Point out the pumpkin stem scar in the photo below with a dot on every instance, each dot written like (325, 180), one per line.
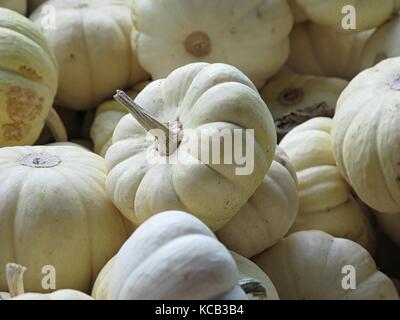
(40, 160)
(253, 287)
(56, 126)
(198, 44)
(159, 130)
(291, 96)
(15, 279)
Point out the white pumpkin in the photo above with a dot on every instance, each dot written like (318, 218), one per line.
(91, 41)
(248, 271)
(54, 211)
(286, 94)
(253, 36)
(198, 101)
(382, 44)
(15, 273)
(366, 136)
(321, 51)
(269, 213)
(368, 13)
(309, 265)
(294, 99)
(28, 82)
(107, 116)
(183, 261)
(326, 201)
(390, 224)
(17, 5)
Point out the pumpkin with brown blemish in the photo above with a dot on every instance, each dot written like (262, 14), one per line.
(251, 35)
(269, 213)
(294, 99)
(28, 82)
(310, 265)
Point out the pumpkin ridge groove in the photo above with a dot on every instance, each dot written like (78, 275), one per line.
(43, 46)
(17, 212)
(180, 198)
(83, 212)
(131, 51)
(368, 276)
(88, 58)
(381, 162)
(328, 254)
(313, 46)
(290, 269)
(23, 75)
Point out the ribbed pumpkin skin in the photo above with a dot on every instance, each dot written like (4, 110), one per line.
(269, 213)
(312, 47)
(202, 98)
(28, 80)
(56, 212)
(326, 201)
(253, 36)
(382, 44)
(91, 41)
(308, 266)
(184, 262)
(366, 136)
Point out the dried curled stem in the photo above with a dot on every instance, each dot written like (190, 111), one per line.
(292, 119)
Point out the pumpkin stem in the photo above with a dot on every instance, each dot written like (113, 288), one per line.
(56, 126)
(15, 279)
(253, 287)
(159, 130)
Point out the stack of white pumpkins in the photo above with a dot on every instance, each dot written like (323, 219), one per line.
(96, 204)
